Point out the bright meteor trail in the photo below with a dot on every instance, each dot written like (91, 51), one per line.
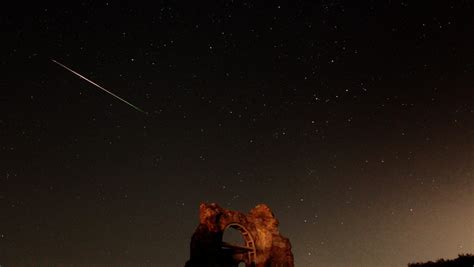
(100, 87)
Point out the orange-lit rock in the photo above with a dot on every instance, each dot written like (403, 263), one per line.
(263, 246)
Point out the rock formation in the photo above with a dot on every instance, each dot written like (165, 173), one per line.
(264, 245)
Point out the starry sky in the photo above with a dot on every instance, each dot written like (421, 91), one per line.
(352, 120)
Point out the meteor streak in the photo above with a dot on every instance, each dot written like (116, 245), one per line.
(100, 87)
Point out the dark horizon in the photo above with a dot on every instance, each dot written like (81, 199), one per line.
(352, 121)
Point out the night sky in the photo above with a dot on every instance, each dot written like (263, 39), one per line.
(352, 120)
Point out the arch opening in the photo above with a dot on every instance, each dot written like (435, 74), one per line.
(233, 236)
(238, 239)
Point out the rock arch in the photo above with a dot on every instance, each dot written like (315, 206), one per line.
(264, 245)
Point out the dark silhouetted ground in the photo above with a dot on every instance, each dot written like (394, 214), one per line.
(466, 260)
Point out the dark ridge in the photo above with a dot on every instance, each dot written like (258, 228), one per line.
(463, 260)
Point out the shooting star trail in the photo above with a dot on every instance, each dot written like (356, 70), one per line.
(102, 88)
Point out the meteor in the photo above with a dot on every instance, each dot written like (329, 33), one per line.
(100, 87)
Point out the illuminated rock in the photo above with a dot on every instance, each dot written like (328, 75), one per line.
(263, 245)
